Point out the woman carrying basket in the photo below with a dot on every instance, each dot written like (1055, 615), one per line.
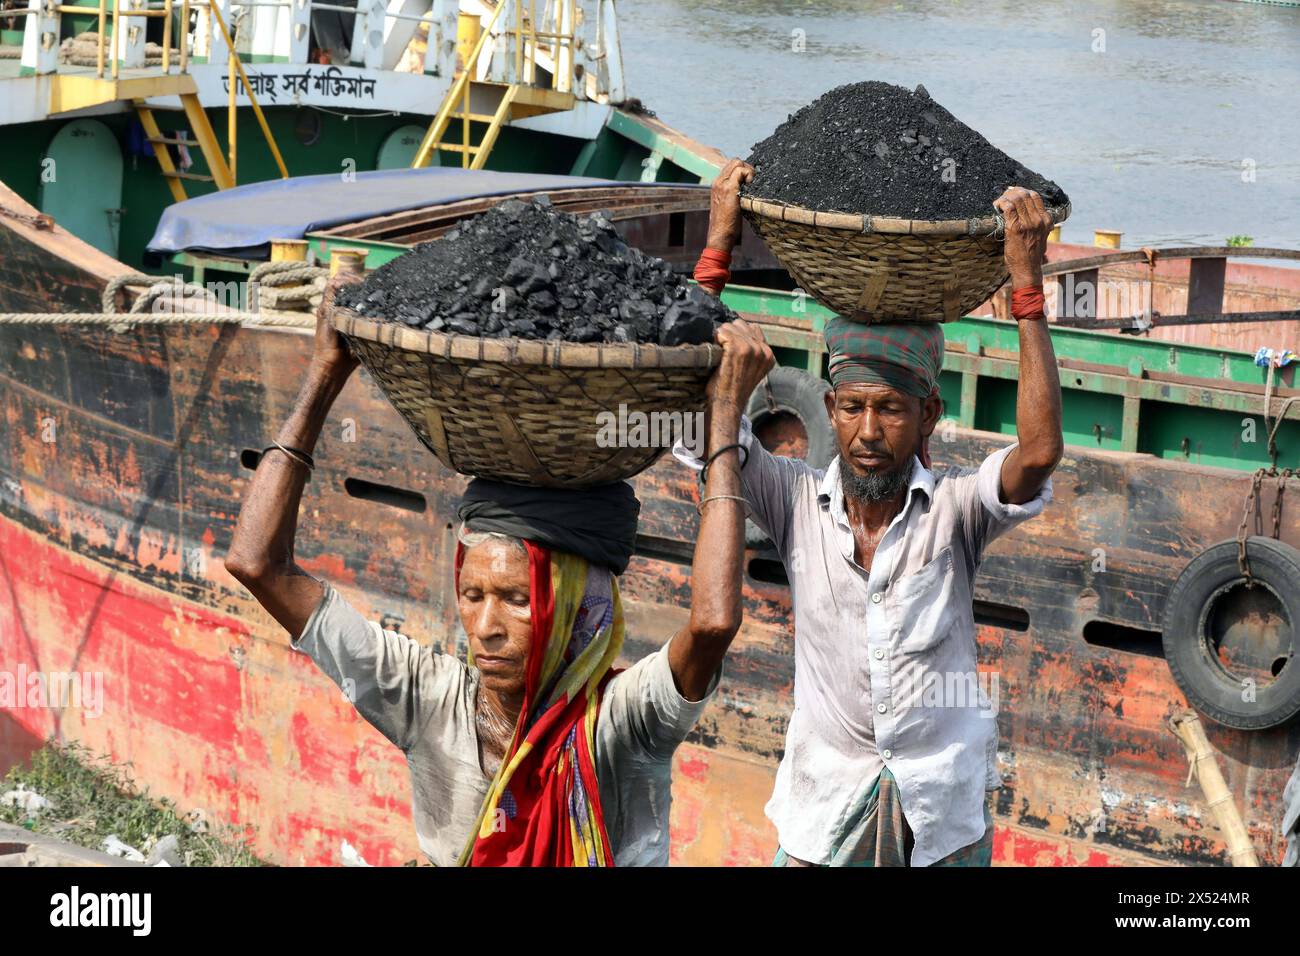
(535, 751)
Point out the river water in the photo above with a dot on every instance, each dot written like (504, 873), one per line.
(1174, 121)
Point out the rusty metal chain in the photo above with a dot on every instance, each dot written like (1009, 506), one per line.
(1282, 476)
(1243, 562)
(1253, 500)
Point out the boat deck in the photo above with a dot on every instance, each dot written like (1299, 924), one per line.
(11, 67)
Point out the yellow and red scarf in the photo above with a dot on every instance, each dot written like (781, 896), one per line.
(543, 806)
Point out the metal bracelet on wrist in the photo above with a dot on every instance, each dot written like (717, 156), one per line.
(297, 454)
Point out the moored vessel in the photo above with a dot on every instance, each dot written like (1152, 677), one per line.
(126, 448)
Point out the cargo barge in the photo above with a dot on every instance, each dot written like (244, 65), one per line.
(126, 450)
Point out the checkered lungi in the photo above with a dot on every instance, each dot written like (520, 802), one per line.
(878, 835)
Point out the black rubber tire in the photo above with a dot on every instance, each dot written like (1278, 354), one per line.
(1196, 669)
(800, 394)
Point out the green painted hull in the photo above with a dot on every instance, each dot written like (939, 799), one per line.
(340, 142)
(1177, 402)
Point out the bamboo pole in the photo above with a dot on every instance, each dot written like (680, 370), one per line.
(185, 36)
(1187, 726)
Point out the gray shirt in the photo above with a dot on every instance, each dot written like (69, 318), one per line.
(885, 671)
(423, 701)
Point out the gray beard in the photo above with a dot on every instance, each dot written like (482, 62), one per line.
(878, 486)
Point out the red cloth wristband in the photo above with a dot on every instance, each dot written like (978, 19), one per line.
(1028, 303)
(712, 271)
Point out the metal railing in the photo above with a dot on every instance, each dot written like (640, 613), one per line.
(166, 9)
(560, 48)
(524, 35)
(530, 34)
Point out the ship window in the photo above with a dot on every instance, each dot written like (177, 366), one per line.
(664, 549)
(768, 571)
(1121, 637)
(677, 229)
(386, 495)
(1007, 616)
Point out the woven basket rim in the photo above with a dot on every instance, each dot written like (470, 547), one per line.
(861, 222)
(517, 351)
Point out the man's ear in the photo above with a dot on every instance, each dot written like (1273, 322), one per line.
(931, 412)
(829, 398)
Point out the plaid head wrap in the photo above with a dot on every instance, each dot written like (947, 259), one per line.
(906, 355)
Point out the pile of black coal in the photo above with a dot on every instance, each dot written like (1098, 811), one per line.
(527, 270)
(883, 150)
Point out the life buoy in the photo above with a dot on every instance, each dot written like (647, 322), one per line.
(1231, 644)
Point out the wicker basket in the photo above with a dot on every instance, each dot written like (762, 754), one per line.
(875, 269)
(529, 412)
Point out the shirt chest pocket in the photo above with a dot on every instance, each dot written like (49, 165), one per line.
(923, 605)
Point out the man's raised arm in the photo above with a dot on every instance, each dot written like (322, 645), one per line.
(713, 271)
(1038, 396)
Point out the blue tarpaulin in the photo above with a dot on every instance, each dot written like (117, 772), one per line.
(241, 222)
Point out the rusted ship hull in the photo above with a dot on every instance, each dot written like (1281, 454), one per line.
(111, 562)
(123, 461)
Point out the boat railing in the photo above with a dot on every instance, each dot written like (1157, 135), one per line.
(500, 77)
(574, 42)
(1081, 304)
(122, 71)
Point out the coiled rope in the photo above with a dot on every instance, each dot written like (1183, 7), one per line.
(288, 285)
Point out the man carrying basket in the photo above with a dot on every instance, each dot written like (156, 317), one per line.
(884, 764)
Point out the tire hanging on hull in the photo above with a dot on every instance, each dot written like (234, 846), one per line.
(1230, 641)
(788, 412)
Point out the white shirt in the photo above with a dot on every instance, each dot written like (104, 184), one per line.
(885, 666)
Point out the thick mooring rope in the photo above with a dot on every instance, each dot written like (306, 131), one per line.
(279, 287)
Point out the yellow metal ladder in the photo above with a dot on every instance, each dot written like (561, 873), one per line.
(205, 139)
(488, 103)
(73, 91)
(494, 104)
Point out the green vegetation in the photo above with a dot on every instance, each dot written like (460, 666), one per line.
(90, 798)
(1240, 240)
